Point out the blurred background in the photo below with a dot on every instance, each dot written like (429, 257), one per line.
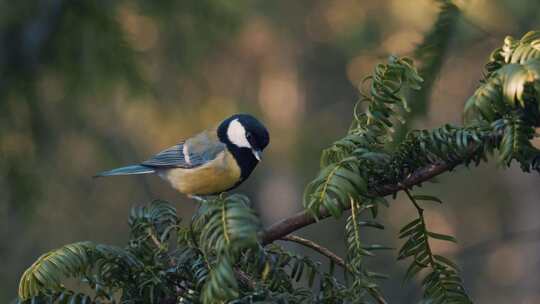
(90, 85)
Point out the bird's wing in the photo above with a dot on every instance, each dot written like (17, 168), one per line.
(191, 153)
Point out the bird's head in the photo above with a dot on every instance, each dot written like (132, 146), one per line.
(244, 132)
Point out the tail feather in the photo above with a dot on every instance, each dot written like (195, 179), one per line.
(128, 170)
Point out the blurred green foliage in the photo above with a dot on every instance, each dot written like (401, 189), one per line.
(221, 245)
(85, 85)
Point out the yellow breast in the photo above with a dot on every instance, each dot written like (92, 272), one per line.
(213, 177)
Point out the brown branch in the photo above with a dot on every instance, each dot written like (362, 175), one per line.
(320, 249)
(301, 219)
(283, 228)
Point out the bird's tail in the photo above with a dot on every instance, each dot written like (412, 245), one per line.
(128, 170)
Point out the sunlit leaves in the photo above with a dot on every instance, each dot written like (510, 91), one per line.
(50, 269)
(515, 51)
(509, 88)
(508, 100)
(515, 78)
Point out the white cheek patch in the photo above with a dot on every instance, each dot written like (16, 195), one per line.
(237, 134)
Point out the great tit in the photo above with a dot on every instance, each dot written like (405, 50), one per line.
(211, 162)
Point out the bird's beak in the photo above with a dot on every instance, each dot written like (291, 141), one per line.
(257, 154)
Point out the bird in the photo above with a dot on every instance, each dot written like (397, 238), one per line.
(209, 163)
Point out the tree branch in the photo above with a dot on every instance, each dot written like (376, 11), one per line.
(301, 219)
(320, 249)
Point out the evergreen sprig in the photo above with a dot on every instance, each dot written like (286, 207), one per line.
(363, 281)
(48, 270)
(346, 164)
(224, 256)
(442, 284)
(225, 226)
(508, 99)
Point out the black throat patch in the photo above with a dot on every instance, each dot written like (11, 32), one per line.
(244, 156)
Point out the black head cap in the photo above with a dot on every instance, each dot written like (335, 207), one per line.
(254, 131)
(245, 137)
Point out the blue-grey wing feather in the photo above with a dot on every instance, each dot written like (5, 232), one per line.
(172, 157)
(200, 149)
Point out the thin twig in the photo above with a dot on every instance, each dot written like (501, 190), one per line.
(320, 249)
(420, 211)
(332, 256)
(413, 200)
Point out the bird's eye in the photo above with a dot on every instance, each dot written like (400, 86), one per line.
(249, 136)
